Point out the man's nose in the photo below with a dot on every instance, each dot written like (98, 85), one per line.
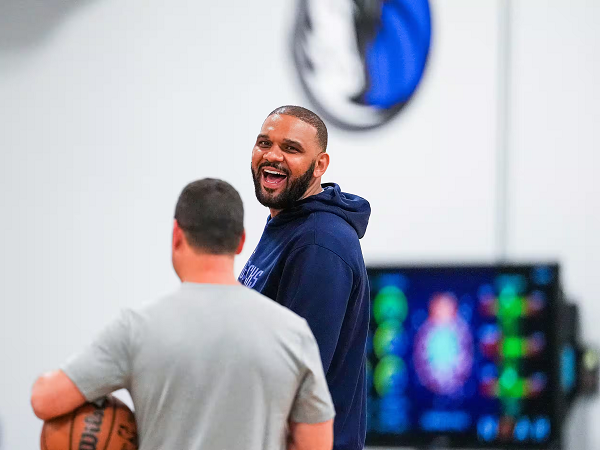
(274, 154)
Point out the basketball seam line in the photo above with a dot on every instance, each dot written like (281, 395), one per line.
(112, 424)
(71, 432)
(44, 439)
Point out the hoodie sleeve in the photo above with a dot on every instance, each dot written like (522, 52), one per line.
(316, 284)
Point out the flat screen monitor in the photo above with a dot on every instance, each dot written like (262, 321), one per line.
(465, 355)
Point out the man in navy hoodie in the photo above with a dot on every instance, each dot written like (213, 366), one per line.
(309, 257)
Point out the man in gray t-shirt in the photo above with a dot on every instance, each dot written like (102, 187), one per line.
(212, 366)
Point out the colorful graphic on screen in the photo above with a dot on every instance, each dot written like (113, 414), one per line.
(462, 353)
(443, 349)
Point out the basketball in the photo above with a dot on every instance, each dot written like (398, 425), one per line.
(107, 424)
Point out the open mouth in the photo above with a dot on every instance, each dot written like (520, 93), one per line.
(273, 179)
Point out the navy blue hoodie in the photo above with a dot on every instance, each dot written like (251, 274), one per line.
(309, 259)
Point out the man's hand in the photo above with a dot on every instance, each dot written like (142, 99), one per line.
(54, 394)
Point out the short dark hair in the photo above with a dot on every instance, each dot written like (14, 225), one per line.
(305, 115)
(211, 214)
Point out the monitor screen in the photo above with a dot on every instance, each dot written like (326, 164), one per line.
(465, 354)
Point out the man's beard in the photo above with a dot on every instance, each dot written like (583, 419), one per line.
(293, 192)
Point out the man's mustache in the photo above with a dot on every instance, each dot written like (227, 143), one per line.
(274, 166)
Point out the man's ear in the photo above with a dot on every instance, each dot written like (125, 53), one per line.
(241, 244)
(321, 165)
(178, 237)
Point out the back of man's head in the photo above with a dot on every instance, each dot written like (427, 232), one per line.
(211, 214)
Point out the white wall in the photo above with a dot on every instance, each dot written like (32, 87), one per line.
(109, 108)
(430, 173)
(554, 210)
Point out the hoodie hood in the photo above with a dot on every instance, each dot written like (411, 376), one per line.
(353, 209)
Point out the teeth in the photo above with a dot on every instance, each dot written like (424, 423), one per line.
(274, 173)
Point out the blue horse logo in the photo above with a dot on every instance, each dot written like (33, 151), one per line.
(360, 61)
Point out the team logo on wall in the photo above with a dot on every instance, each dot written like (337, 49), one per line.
(360, 61)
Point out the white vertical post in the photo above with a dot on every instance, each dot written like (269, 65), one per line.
(503, 129)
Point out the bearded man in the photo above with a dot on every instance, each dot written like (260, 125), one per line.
(309, 257)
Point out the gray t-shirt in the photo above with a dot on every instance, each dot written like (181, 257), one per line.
(209, 367)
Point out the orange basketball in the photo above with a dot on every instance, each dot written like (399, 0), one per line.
(104, 425)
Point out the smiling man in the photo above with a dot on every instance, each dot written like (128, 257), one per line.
(309, 257)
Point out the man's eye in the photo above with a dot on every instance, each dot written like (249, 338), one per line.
(264, 143)
(289, 148)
